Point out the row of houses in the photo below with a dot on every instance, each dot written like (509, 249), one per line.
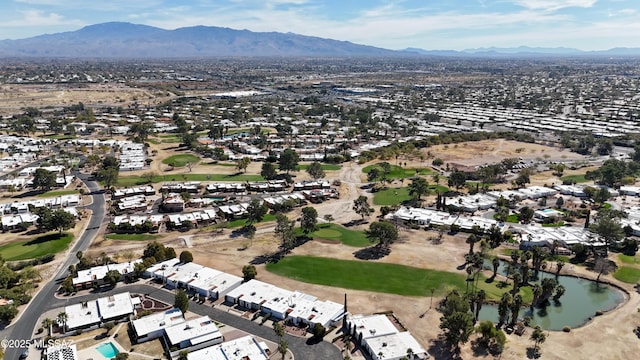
(16, 221)
(293, 306)
(20, 207)
(94, 276)
(480, 201)
(530, 235)
(91, 313)
(132, 156)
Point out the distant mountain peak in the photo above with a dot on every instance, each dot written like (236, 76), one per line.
(127, 40)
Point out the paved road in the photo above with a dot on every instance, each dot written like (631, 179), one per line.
(23, 327)
(298, 346)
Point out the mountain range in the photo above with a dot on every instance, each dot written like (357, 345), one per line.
(125, 40)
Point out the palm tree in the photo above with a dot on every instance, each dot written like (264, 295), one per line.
(537, 291)
(503, 308)
(283, 346)
(472, 240)
(515, 308)
(538, 337)
(495, 262)
(480, 297)
(62, 320)
(46, 323)
(560, 290)
(418, 187)
(559, 266)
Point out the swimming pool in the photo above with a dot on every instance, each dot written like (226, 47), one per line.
(108, 350)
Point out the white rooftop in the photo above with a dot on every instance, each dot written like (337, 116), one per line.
(242, 348)
(115, 305)
(196, 331)
(82, 314)
(161, 320)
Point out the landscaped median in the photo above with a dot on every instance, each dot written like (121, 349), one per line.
(31, 249)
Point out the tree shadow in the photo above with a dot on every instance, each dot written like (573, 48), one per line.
(439, 350)
(45, 238)
(479, 349)
(372, 253)
(533, 353)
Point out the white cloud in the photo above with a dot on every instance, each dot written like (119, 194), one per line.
(40, 18)
(554, 5)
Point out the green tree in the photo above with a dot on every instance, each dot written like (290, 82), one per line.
(278, 329)
(47, 323)
(112, 277)
(249, 272)
(108, 176)
(472, 240)
(373, 174)
(122, 356)
(288, 160)
(44, 179)
(268, 171)
(183, 355)
(181, 301)
(61, 220)
(457, 327)
(503, 308)
(242, 164)
(285, 231)
(318, 331)
(382, 233)
(361, 206)
(315, 170)
(418, 187)
(526, 214)
(256, 211)
(186, 257)
(457, 179)
(283, 346)
(309, 220)
(538, 337)
(608, 228)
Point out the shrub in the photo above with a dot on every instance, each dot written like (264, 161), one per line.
(566, 329)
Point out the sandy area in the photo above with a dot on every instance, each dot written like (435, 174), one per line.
(474, 153)
(15, 97)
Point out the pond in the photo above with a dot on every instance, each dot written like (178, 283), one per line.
(581, 300)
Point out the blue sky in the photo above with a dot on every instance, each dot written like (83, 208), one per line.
(392, 24)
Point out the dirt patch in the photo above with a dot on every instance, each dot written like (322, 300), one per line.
(474, 153)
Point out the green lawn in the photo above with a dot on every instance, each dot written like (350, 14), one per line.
(629, 259)
(398, 172)
(494, 293)
(125, 181)
(574, 178)
(339, 233)
(134, 237)
(58, 193)
(180, 160)
(242, 222)
(31, 249)
(627, 274)
(325, 167)
(368, 276)
(395, 196)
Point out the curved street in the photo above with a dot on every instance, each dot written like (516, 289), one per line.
(22, 328)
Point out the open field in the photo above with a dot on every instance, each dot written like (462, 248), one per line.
(15, 96)
(336, 232)
(475, 153)
(627, 274)
(30, 249)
